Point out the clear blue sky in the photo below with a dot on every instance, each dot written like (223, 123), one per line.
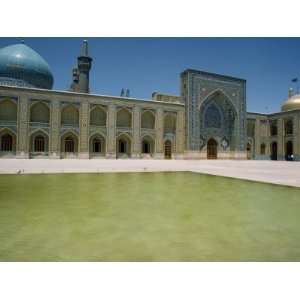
(145, 65)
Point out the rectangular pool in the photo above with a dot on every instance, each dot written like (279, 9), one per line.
(178, 216)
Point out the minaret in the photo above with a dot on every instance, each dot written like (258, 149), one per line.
(84, 66)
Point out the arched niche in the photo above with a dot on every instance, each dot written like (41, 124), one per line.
(39, 142)
(97, 145)
(123, 145)
(170, 123)
(98, 116)
(124, 118)
(39, 113)
(148, 120)
(69, 144)
(7, 141)
(147, 145)
(8, 110)
(70, 116)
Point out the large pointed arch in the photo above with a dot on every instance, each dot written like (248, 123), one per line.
(214, 93)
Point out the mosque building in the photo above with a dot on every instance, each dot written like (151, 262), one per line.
(207, 121)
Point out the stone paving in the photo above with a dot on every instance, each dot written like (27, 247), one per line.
(277, 172)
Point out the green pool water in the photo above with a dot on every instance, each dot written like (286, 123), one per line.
(146, 217)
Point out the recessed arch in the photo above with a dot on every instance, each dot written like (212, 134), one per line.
(124, 118)
(69, 144)
(170, 123)
(148, 120)
(7, 141)
(40, 112)
(274, 151)
(98, 116)
(124, 144)
(97, 145)
(289, 151)
(215, 93)
(147, 145)
(39, 142)
(70, 116)
(8, 110)
(212, 149)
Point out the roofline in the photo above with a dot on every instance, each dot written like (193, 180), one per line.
(87, 95)
(213, 74)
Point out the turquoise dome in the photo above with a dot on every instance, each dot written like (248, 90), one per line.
(22, 66)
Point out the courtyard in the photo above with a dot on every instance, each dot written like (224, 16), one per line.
(276, 172)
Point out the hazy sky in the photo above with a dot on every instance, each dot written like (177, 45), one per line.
(145, 65)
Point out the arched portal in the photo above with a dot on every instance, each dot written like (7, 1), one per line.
(168, 149)
(69, 145)
(249, 151)
(123, 146)
(97, 145)
(274, 151)
(39, 142)
(7, 141)
(212, 149)
(289, 155)
(147, 145)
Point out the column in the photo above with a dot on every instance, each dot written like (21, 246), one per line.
(280, 139)
(268, 139)
(159, 131)
(23, 131)
(111, 132)
(256, 146)
(54, 142)
(84, 130)
(136, 149)
(180, 134)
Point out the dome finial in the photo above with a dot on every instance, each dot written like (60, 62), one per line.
(291, 92)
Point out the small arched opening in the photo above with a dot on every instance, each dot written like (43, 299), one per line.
(289, 155)
(123, 146)
(274, 151)
(212, 149)
(147, 146)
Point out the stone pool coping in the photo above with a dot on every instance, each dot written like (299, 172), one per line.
(276, 172)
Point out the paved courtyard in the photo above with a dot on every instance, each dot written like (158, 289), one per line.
(277, 172)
